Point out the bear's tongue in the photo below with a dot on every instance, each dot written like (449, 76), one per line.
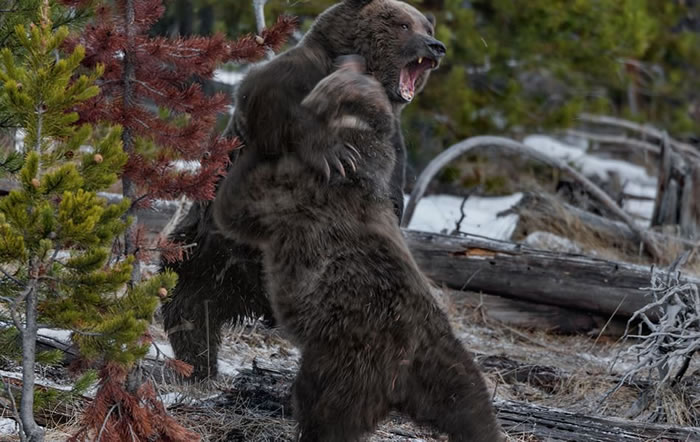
(408, 76)
(407, 82)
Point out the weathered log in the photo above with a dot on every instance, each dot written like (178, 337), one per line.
(553, 424)
(501, 268)
(645, 130)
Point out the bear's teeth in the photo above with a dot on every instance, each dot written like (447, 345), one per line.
(420, 60)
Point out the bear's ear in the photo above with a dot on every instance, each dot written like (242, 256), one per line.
(358, 3)
(431, 18)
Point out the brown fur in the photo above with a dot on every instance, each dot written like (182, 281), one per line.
(341, 279)
(221, 280)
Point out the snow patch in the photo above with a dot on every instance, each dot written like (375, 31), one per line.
(231, 367)
(440, 213)
(57, 334)
(165, 349)
(186, 166)
(588, 164)
(549, 241)
(8, 426)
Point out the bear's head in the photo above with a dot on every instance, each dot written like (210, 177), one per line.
(396, 40)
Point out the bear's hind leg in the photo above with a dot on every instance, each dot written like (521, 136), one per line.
(338, 396)
(219, 282)
(446, 390)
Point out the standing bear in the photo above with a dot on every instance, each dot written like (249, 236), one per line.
(315, 195)
(221, 279)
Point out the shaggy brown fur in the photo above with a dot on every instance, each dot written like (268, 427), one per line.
(221, 279)
(340, 276)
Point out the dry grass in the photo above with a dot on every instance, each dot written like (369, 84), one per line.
(562, 223)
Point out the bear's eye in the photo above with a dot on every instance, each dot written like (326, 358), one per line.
(404, 26)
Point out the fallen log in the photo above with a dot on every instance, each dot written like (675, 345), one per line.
(553, 424)
(510, 270)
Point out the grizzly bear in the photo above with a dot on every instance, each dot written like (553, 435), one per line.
(221, 279)
(314, 195)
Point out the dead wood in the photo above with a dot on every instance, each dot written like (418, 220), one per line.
(510, 270)
(504, 143)
(539, 209)
(621, 140)
(553, 424)
(645, 130)
(677, 200)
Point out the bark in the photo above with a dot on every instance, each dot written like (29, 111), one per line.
(553, 424)
(510, 270)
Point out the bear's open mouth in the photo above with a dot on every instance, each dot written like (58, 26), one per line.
(410, 73)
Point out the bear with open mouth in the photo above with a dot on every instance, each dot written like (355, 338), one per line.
(315, 194)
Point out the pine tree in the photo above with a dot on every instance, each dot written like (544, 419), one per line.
(56, 237)
(152, 88)
(71, 13)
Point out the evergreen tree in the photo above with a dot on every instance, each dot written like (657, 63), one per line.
(70, 13)
(56, 239)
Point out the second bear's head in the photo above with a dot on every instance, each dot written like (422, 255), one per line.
(396, 40)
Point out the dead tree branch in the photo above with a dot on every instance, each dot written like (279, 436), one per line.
(620, 140)
(259, 9)
(504, 143)
(674, 333)
(644, 129)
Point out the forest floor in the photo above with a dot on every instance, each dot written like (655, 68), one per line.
(573, 373)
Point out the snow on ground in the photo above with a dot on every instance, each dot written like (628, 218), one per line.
(56, 334)
(8, 426)
(40, 380)
(160, 349)
(440, 213)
